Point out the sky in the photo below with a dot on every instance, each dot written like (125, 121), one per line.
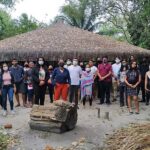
(42, 10)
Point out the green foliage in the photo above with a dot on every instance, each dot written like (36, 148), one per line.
(8, 3)
(111, 30)
(9, 27)
(139, 24)
(5, 24)
(81, 13)
(4, 141)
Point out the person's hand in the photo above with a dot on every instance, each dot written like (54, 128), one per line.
(134, 86)
(130, 85)
(68, 85)
(102, 78)
(42, 83)
(49, 81)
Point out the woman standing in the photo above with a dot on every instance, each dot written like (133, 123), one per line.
(132, 80)
(61, 81)
(147, 86)
(40, 77)
(87, 81)
(7, 88)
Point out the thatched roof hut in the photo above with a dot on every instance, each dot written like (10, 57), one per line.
(64, 41)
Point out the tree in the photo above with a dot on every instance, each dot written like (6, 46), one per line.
(25, 24)
(5, 24)
(83, 14)
(8, 3)
(139, 24)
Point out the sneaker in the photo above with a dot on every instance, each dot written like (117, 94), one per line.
(4, 113)
(12, 112)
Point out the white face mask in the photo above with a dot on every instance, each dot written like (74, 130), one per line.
(5, 68)
(117, 61)
(68, 62)
(75, 63)
(41, 62)
(88, 69)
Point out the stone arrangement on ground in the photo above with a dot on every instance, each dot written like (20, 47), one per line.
(58, 117)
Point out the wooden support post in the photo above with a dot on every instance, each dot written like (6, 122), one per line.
(106, 115)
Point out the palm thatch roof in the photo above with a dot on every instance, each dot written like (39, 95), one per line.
(63, 41)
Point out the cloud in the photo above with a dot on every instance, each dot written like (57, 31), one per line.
(42, 10)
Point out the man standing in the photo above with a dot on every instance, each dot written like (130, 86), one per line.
(104, 73)
(18, 74)
(143, 67)
(115, 72)
(75, 74)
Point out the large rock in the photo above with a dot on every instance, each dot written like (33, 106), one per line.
(57, 117)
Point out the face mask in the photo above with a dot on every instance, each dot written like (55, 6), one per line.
(117, 61)
(75, 63)
(5, 68)
(41, 62)
(88, 69)
(104, 61)
(149, 67)
(61, 64)
(68, 62)
(26, 66)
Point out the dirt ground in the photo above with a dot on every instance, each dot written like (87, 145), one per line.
(89, 126)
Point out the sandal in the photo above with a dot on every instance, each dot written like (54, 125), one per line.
(137, 113)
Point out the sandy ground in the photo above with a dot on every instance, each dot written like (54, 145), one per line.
(89, 126)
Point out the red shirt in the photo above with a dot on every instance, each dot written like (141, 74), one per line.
(104, 69)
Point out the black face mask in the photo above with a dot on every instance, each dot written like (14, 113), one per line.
(26, 65)
(61, 64)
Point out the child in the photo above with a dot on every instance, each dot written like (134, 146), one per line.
(86, 85)
(122, 85)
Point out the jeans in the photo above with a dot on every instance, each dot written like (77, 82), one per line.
(73, 95)
(105, 91)
(39, 92)
(123, 95)
(51, 92)
(7, 90)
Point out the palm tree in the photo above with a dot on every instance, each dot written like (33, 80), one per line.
(81, 13)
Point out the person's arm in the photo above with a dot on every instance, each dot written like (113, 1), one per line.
(69, 79)
(146, 82)
(138, 82)
(109, 74)
(127, 83)
(96, 74)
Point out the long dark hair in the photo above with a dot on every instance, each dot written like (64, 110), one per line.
(131, 65)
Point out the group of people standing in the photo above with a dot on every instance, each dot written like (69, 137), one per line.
(75, 81)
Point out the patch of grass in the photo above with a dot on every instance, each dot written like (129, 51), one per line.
(4, 141)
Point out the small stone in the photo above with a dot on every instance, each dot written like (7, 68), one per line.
(74, 143)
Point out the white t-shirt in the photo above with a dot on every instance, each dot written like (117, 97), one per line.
(93, 70)
(75, 72)
(116, 69)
